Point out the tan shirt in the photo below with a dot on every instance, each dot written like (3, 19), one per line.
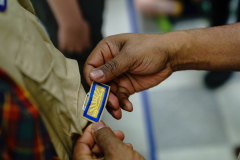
(28, 55)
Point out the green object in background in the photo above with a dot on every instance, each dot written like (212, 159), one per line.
(164, 25)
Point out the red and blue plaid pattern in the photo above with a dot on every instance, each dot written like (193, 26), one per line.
(23, 135)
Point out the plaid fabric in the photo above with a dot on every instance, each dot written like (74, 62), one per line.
(23, 135)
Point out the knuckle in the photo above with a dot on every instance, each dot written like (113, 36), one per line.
(111, 66)
(105, 40)
(106, 139)
(102, 135)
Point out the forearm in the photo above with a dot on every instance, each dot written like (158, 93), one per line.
(216, 48)
(66, 12)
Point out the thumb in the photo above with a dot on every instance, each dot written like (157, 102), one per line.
(105, 139)
(113, 68)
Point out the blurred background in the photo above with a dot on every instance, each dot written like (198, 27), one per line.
(193, 114)
(190, 117)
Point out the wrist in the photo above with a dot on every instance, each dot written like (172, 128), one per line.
(176, 45)
(69, 24)
(185, 53)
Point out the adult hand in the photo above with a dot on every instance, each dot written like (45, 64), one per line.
(74, 38)
(130, 63)
(98, 140)
(135, 62)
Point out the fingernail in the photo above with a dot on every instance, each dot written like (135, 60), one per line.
(130, 108)
(97, 74)
(98, 126)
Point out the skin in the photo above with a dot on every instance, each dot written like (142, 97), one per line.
(154, 8)
(98, 140)
(74, 31)
(132, 63)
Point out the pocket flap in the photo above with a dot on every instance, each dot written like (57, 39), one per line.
(34, 58)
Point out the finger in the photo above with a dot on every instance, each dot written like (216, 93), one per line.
(96, 150)
(113, 101)
(113, 106)
(129, 145)
(119, 134)
(86, 70)
(86, 137)
(105, 138)
(126, 104)
(113, 86)
(124, 89)
(110, 59)
(115, 113)
(104, 56)
(112, 69)
(84, 144)
(97, 58)
(123, 95)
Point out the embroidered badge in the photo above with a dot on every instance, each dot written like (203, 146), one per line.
(95, 102)
(3, 5)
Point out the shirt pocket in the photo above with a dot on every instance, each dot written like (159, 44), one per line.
(35, 61)
(33, 57)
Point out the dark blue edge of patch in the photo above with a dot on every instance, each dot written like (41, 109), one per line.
(4, 7)
(90, 100)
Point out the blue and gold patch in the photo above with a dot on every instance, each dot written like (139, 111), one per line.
(96, 101)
